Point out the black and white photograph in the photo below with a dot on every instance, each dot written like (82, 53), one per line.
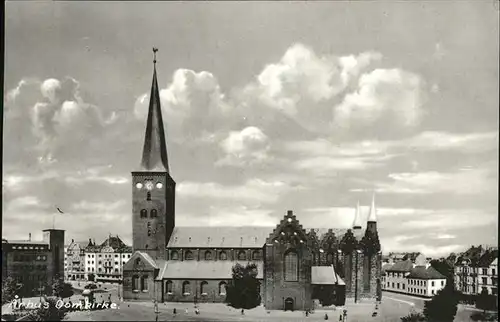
(250, 160)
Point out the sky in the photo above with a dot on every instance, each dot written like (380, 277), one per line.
(268, 106)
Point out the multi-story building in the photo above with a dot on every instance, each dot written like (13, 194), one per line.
(468, 267)
(407, 277)
(487, 269)
(74, 261)
(34, 264)
(175, 263)
(110, 258)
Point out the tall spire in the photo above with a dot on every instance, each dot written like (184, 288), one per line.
(154, 154)
(357, 222)
(372, 217)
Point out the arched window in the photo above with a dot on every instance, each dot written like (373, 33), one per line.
(329, 258)
(144, 213)
(208, 255)
(169, 287)
(203, 288)
(144, 283)
(291, 266)
(154, 213)
(256, 255)
(174, 255)
(186, 288)
(188, 255)
(242, 256)
(137, 261)
(222, 255)
(222, 288)
(135, 283)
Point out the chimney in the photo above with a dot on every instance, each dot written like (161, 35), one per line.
(289, 212)
(72, 240)
(29, 238)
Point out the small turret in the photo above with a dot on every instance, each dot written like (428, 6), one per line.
(372, 217)
(357, 218)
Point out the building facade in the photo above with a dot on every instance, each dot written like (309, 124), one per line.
(472, 270)
(34, 264)
(294, 264)
(409, 278)
(74, 261)
(87, 261)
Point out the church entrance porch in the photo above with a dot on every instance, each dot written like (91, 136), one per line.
(289, 304)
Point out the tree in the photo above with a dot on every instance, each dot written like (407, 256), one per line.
(9, 289)
(243, 291)
(48, 311)
(413, 317)
(485, 301)
(62, 289)
(443, 307)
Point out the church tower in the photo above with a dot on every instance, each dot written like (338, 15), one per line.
(153, 189)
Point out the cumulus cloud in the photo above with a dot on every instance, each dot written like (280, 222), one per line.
(302, 83)
(192, 103)
(391, 96)
(55, 115)
(245, 147)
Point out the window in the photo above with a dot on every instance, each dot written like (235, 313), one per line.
(174, 255)
(256, 255)
(208, 256)
(493, 272)
(144, 214)
(135, 282)
(149, 229)
(222, 288)
(432, 292)
(291, 266)
(494, 291)
(169, 287)
(329, 258)
(484, 280)
(188, 255)
(154, 213)
(397, 286)
(485, 271)
(203, 288)
(242, 255)
(148, 196)
(186, 288)
(144, 283)
(392, 284)
(403, 286)
(222, 255)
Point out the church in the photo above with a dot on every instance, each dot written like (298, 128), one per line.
(297, 267)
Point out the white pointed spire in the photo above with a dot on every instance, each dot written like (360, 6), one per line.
(357, 216)
(372, 217)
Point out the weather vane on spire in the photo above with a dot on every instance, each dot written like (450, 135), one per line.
(154, 53)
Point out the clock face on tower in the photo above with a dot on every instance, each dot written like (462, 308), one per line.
(149, 185)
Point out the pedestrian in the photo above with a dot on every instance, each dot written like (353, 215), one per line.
(242, 312)
(307, 313)
(340, 317)
(175, 311)
(326, 316)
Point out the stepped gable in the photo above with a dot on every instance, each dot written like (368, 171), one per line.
(289, 220)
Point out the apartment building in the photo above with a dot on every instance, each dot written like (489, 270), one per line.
(473, 272)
